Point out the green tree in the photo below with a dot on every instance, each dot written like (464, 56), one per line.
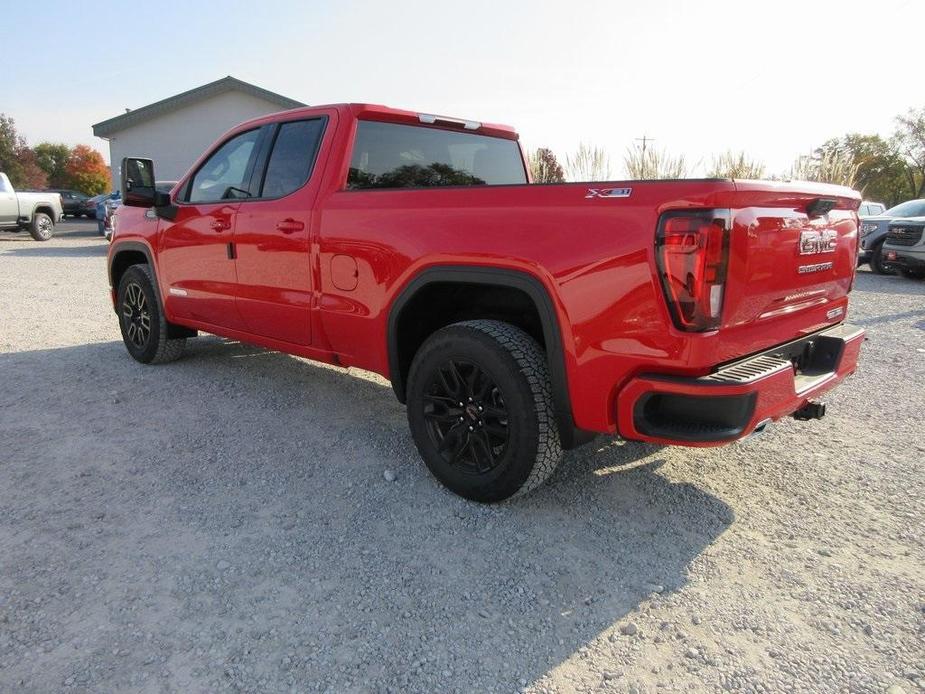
(910, 140)
(11, 146)
(878, 166)
(827, 165)
(53, 157)
(544, 167)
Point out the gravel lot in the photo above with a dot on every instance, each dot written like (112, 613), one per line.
(226, 523)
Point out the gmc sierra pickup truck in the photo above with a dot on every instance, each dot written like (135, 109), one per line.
(513, 320)
(37, 212)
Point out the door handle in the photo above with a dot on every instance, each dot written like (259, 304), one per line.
(220, 224)
(288, 226)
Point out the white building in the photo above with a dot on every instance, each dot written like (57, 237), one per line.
(175, 131)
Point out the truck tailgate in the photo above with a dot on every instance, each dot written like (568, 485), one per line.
(792, 247)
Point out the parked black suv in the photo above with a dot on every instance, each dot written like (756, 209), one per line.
(72, 201)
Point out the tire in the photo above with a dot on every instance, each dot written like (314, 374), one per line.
(913, 274)
(144, 329)
(42, 227)
(877, 262)
(504, 440)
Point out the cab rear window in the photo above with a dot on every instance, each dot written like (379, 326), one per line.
(391, 155)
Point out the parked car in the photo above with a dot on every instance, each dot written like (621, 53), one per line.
(102, 212)
(904, 248)
(874, 231)
(89, 205)
(112, 208)
(37, 212)
(514, 320)
(72, 201)
(871, 209)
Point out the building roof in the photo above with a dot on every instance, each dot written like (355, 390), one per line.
(111, 126)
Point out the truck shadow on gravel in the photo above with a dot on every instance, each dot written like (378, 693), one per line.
(224, 521)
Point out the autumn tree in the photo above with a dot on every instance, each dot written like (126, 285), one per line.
(544, 167)
(33, 177)
(87, 172)
(53, 158)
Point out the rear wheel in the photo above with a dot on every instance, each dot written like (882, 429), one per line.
(145, 331)
(42, 227)
(480, 410)
(878, 262)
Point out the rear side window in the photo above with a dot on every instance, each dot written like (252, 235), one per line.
(293, 154)
(391, 155)
(226, 174)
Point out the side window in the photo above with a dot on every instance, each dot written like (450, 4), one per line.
(864, 211)
(392, 155)
(293, 154)
(3, 188)
(225, 174)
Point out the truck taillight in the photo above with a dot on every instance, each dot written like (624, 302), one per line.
(692, 251)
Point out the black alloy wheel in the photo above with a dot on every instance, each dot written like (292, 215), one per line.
(481, 412)
(147, 335)
(466, 417)
(136, 318)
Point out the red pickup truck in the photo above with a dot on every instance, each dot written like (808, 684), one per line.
(513, 319)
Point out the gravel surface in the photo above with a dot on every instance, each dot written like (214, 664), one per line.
(248, 521)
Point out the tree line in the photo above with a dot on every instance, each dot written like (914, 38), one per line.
(51, 164)
(886, 169)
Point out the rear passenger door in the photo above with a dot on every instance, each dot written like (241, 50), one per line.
(272, 235)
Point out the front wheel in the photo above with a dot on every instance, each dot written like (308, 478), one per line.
(481, 411)
(913, 274)
(145, 331)
(42, 227)
(878, 262)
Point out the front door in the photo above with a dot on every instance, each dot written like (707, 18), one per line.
(196, 248)
(197, 267)
(272, 238)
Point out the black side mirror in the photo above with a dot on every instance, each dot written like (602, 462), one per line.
(138, 183)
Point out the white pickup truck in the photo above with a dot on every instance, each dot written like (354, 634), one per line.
(37, 212)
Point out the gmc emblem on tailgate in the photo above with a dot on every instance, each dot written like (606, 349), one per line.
(812, 242)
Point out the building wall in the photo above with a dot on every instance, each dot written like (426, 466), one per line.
(176, 139)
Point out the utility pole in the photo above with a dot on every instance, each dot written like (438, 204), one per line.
(644, 140)
(644, 163)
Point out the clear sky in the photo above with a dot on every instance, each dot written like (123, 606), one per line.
(773, 78)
